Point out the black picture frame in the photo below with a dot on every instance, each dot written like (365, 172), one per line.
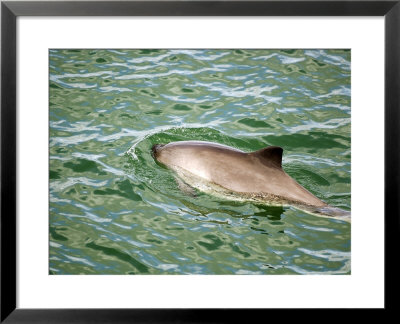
(10, 10)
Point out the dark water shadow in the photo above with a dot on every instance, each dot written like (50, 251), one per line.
(273, 213)
(122, 256)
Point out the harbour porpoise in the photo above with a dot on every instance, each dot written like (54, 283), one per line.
(256, 176)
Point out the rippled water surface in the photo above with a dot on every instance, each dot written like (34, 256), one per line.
(113, 210)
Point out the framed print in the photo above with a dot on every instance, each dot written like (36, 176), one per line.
(178, 154)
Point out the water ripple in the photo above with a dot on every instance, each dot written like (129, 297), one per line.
(114, 210)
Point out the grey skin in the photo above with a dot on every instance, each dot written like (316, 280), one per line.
(257, 175)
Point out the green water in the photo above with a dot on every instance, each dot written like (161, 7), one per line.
(113, 210)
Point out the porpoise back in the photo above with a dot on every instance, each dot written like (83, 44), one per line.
(254, 174)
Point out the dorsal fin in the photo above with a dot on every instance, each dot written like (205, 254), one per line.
(270, 155)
